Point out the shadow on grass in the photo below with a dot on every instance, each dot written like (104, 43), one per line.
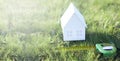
(94, 37)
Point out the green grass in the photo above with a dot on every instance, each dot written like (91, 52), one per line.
(30, 29)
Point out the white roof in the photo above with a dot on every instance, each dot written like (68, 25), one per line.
(71, 10)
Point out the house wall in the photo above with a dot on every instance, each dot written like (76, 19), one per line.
(74, 29)
(74, 34)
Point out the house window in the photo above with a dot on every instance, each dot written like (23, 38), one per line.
(69, 33)
(78, 33)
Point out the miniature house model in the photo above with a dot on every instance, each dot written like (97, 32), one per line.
(73, 24)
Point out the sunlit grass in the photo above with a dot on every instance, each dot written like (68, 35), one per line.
(30, 30)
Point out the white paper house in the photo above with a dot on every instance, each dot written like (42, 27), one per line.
(73, 24)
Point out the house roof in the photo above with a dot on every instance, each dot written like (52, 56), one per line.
(71, 10)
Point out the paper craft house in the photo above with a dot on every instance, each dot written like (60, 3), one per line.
(73, 24)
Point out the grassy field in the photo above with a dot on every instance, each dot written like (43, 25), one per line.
(30, 29)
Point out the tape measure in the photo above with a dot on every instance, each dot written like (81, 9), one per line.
(75, 48)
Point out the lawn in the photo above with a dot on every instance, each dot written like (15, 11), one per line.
(30, 29)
